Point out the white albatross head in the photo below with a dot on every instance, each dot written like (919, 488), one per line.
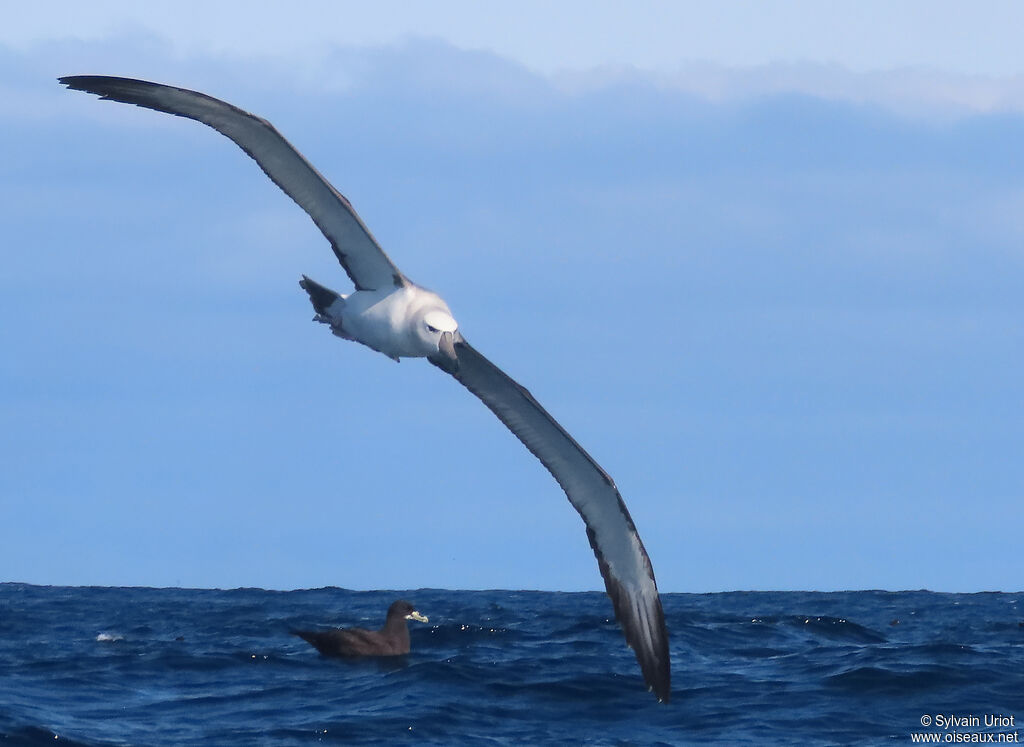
(439, 331)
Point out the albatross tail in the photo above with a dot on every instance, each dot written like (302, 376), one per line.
(327, 304)
(322, 298)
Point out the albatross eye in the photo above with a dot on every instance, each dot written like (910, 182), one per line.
(432, 329)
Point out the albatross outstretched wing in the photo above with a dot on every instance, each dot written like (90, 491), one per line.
(353, 244)
(623, 561)
(624, 564)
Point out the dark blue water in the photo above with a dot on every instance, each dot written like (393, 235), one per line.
(106, 666)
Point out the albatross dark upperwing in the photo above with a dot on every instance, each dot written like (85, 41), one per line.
(353, 244)
(624, 564)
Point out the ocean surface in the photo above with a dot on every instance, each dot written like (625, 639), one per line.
(138, 666)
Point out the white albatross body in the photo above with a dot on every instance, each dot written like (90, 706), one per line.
(393, 315)
(392, 321)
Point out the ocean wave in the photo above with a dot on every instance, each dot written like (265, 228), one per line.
(210, 667)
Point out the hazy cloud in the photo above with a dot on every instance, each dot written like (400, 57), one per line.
(435, 67)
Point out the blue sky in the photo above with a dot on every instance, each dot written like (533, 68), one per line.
(771, 283)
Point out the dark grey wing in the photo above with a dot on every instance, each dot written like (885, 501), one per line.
(625, 566)
(356, 249)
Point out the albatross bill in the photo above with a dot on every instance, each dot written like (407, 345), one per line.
(389, 313)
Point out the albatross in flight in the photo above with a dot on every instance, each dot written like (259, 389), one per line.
(394, 316)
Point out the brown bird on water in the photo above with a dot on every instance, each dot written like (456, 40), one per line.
(391, 640)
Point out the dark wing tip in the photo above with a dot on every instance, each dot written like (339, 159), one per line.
(76, 81)
(156, 96)
(654, 664)
(643, 626)
(102, 85)
(642, 619)
(142, 93)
